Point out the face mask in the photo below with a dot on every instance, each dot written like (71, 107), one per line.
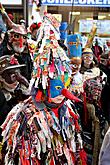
(10, 75)
(18, 42)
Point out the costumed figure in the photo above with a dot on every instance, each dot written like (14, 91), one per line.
(95, 127)
(44, 128)
(12, 84)
(93, 81)
(88, 60)
(17, 44)
(74, 53)
(89, 67)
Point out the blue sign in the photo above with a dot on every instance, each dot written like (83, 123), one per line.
(88, 3)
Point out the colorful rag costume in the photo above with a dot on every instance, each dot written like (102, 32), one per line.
(44, 128)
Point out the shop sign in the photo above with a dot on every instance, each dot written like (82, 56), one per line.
(11, 2)
(103, 26)
(94, 3)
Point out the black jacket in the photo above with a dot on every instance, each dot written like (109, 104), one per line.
(4, 108)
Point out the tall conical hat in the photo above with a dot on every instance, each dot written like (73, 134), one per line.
(74, 46)
(50, 60)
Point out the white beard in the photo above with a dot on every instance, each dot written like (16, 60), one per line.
(17, 49)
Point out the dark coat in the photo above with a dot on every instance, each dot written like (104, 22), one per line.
(4, 108)
(105, 95)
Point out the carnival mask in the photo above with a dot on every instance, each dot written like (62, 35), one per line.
(57, 92)
(93, 90)
(10, 72)
(18, 42)
(10, 75)
(75, 65)
(11, 78)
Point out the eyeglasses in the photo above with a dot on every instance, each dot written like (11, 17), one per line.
(88, 57)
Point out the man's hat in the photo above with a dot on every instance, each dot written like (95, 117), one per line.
(87, 51)
(7, 62)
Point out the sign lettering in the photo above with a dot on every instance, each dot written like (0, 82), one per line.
(94, 3)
